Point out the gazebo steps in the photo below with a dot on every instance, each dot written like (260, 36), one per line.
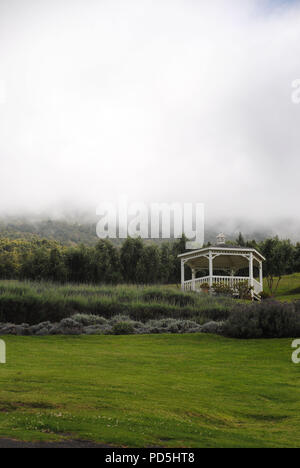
(256, 297)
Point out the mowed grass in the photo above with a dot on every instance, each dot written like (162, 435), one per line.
(159, 390)
(289, 288)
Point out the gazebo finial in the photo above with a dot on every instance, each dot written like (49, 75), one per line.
(221, 240)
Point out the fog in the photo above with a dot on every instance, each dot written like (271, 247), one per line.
(163, 101)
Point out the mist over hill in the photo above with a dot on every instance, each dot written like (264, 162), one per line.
(74, 229)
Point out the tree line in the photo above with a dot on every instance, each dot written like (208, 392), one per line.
(135, 261)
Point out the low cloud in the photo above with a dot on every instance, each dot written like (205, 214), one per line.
(163, 101)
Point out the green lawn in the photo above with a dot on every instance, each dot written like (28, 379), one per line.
(159, 390)
(289, 288)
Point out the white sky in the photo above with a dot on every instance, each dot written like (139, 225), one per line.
(162, 100)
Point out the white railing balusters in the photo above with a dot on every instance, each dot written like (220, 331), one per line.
(231, 281)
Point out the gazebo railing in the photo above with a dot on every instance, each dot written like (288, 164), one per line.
(257, 287)
(231, 281)
(188, 285)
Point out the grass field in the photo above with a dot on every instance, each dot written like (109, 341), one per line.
(162, 390)
(154, 390)
(289, 288)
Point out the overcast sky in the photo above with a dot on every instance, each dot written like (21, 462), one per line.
(162, 100)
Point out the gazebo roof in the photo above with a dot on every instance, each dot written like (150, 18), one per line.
(231, 246)
(224, 257)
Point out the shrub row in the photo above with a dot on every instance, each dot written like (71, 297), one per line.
(268, 319)
(80, 324)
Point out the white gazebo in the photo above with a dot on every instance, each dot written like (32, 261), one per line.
(227, 259)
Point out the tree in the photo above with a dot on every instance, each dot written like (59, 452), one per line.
(78, 264)
(178, 248)
(253, 244)
(296, 265)
(279, 259)
(131, 253)
(57, 267)
(36, 266)
(105, 263)
(148, 266)
(167, 262)
(240, 240)
(9, 265)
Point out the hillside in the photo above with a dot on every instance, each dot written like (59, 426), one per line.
(81, 229)
(62, 231)
(289, 288)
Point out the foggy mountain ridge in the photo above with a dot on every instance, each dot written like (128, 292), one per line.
(76, 229)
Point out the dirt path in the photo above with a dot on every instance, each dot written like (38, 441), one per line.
(10, 443)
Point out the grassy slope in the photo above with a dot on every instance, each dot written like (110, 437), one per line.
(187, 390)
(289, 288)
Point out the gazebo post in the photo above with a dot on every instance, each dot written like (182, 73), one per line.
(193, 279)
(182, 275)
(211, 269)
(261, 278)
(232, 273)
(251, 274)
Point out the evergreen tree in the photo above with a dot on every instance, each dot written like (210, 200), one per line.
(105, 263)
(148, 266)
(240, 240)
(131, 253)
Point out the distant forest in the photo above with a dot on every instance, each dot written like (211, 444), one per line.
(134, 261)
(81, 231)
(65, 232)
